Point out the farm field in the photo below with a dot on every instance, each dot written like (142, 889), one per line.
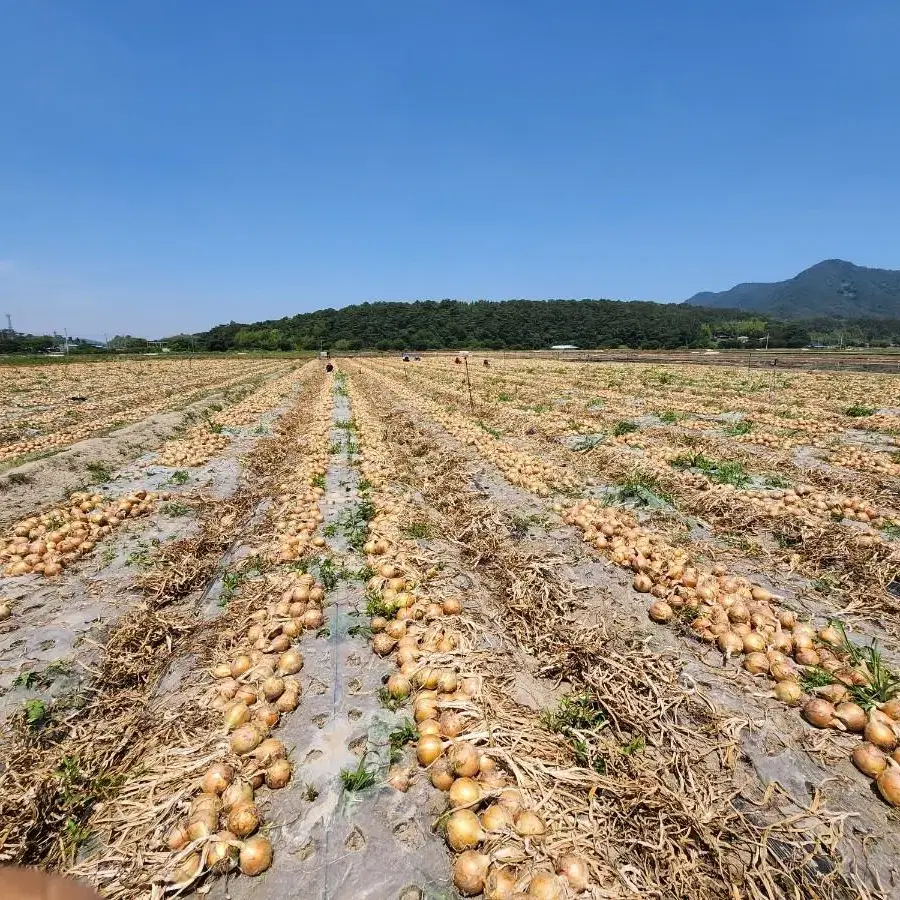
(411, 629)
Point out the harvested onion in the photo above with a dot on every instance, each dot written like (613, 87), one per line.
(869, 759)
(574, 870)
(469, 872)
(463, 830)
(465, 792)
(255, 856)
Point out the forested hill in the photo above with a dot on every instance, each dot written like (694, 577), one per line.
(527, 324)
(833, 287)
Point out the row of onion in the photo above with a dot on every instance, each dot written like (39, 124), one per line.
(47, 543)
(489, 827)
(745, 621)
(255, 685)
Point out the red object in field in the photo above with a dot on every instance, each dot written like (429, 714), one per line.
(458, 361)
(329, 368)
(31, 884)
(486, 363)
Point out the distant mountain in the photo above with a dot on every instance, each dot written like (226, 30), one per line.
(829, 288)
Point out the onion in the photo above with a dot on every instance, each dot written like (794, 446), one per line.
(246, 695)
(545, 885)
(463, 830)
(464, 759)
(730, 643)
(451, 606)
(754, 643)
(831, 635)
(273, 688)
(222, 670)
(398, 686)
(256, 856)
(243, 820)
(496, 818)
(891, 708)
(236, 793)
(424, 708)
(268, 751)
(783, 672)
(819, 713)
(429, 748)
(222, 854)
(187, 871)
(642, 583)
(290, 662)
(788, 691)
(499, 883)
(236, 714)
(529, 824)
(278, 774)
(833, 693)
(202, 824)
(511, 798)
(880, 734)
(288, 701)
(465, 792)
(245, 739)
(441, 776)
(266, 714)
(428, 726)
(852, 715)
(383, 644)
(756, 663)
(451, 723)
(659, 610)
(241, 665)
(574, 870)
(178, 837)
(218, 776)
(888, 783)
(279, 644)
(469, 872)
(869, 759)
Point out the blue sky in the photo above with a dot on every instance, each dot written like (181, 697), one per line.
(168, 165)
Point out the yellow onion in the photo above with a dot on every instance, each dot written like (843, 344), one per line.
(236, 714)
(880, 733)
(178, 837)
(464, 759)
(243, 820)
(278, 774)
(852, 715)
(451, 723)
(891, 708)
(730, 643)
(255, 856)
(202, 824)
(440, 774)
(500, 883)
(496, 818)
(869, 759)
(245, 695)
(788, 691)
(428, 726)
(287, 702)
(833, 693)
(819, 713)
(756, 663)
(463, 830)
(273, 688)
(217, 777)
(290, 661)
(266, 714)
(888, 783)
(428, 749)
(465, 792)
(398, 686)
(222, 670)
(469, 872)
(451, 606)
(511, 799)
(529, 824)
(659, 610)
(245, 739)
(268, 751)
(383, 644)
(222, 854)
(187, 870)
(241, 665)
(544, 885)
(574, 870)
(238, 792)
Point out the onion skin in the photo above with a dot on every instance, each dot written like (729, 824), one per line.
(496, 818)
(529, 824)
(789, 692)
(888, 784)
(869, 759)
(463, 830)
(268, 751)
(880, 734)
(278, 774)
(819, 714)
(441, 776)
(545, 885)
(243, 820)
(469, 872)
(245, 739)
(238, 792)
(178, 837)
(500, 883)
(223, 852)
(465, 792)
(255, 856)
(574, 870)
(464, 759)
(852, 715)
(429, 749)
(218, 776)
(187, 871)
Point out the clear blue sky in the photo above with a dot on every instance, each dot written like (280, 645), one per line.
(167, 165)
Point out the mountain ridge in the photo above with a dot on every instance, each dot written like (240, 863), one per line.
(832, 287)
